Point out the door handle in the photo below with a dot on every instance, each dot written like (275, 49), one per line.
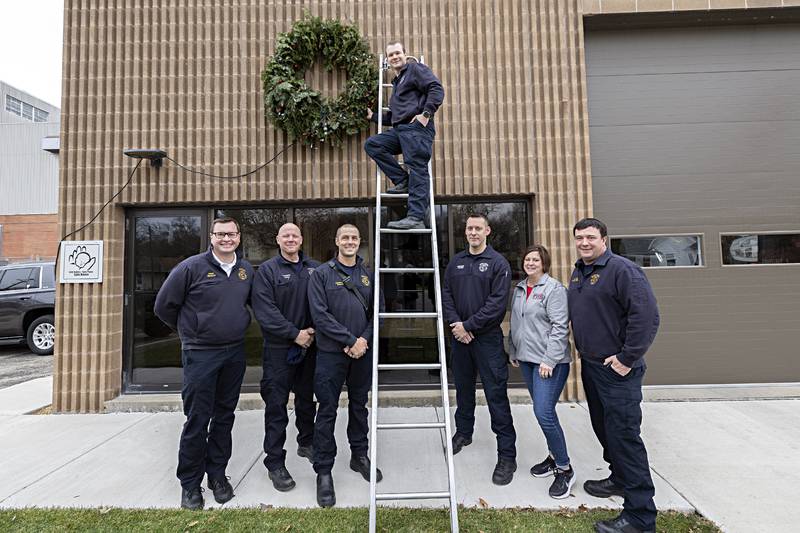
(24, 297)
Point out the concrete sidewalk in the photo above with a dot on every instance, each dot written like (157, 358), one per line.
(735, 462)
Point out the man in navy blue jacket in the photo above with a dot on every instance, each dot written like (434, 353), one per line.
(280, 304)
(416, 95)
(205, 299)
(340, 294)
(614, 321)
(475, 294)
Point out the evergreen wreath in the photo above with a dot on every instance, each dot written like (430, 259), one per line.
(291, 105)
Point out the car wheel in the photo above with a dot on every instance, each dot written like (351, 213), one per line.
(42, 335)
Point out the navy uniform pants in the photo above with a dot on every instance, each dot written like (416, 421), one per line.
(615, 410)
(415, 142)
(484, 356)
(212, 379)
(277, 380)
(335, 369)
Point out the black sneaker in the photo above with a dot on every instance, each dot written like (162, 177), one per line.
(545, 468)
(307, 452)
(602, 488)
(361, 465)
(619, 525)
(504, 471)
(192, 499)
(562, 484)
(459, 441)
(223, 492)
(281, 479)
(406, 223)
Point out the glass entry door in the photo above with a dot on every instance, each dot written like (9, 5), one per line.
(156, 242)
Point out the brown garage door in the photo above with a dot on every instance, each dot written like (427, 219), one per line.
(697, 131)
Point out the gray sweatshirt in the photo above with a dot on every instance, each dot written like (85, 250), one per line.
(539, 324)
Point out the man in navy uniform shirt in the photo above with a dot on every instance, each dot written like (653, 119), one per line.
(280, 304)
(416, 95)
(205, 299)
(340, 294)
(614, 321)
(475, 294)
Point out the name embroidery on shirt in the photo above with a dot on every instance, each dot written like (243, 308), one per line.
(460, 267)
(211, 275)
(286, 276)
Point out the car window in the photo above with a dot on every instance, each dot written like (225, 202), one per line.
(48, 277)
(17, 278)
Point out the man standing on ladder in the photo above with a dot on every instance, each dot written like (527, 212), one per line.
(474, 297)
(416, 95)
(280, 304)
(341, 299)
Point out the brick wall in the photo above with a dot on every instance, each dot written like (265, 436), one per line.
(26, 237)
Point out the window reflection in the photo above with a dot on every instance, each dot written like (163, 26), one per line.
(760, 249)
(319, 225)
(660, 251)
(259, 229)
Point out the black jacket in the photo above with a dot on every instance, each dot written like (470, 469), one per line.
(203, 304)
(476, 289)
(339, 318)
(280, 298)
(415, 89)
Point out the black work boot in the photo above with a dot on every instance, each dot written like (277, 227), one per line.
(281, 479)
(459, 441)
(504, 471)
(326, 496)
(307, 452)
(400, 188)
(223, 492)
(361, 465)
(192, 499)
(602, 488)
(618, 525)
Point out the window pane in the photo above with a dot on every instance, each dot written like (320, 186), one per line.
(16, 279)
(664, 251)
(259, 228)
(13, 105)
(319, 225)
(48, 276)
(27, 111)
(764, 249)
(40, 115)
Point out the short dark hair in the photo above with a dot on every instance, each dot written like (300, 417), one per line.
(392, 43)
(225, 220)
(591, 223)
(543, 253)
(475, 214)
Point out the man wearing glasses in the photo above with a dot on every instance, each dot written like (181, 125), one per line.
(205, 299)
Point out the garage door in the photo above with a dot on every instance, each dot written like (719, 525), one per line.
(695, 151)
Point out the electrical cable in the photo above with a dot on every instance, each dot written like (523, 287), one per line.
(201, 173)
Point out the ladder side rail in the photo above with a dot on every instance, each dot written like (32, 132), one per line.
(376, 268)
(444, 386)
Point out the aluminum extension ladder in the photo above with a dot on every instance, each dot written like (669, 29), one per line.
(441, 366)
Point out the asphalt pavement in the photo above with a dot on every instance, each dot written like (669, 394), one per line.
(18, 365)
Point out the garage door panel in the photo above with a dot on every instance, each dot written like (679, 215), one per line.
(698, 131)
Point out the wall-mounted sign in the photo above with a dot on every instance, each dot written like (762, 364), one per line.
(81, 262)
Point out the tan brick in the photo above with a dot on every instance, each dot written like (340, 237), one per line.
(591, 7)
(688, 5)
(727, 4)
(618, 6)
(764, 3)
(654, 5)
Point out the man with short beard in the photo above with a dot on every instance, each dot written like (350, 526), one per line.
(280, 304)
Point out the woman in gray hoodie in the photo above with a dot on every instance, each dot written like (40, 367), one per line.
(539, 346)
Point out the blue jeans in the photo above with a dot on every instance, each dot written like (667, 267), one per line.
(415, 142)
(545, 393)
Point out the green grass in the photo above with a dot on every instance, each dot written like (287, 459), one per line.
(312, 520)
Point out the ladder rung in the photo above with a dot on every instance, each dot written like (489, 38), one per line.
(387, 85)
(398, 196)
(392, 230)
(406, 270)
(386, 109)
(410, 366)
(411, 495)
(413, 425)
(408, 315)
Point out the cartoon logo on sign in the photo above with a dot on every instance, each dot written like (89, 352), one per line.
(82, 260)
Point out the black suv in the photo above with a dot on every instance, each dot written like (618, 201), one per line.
(27, 305)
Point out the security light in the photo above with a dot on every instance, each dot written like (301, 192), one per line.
(155, 155)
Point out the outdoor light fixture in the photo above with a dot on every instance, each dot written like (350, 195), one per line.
(155, 155)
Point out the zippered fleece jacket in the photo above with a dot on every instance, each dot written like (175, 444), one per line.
(612, 309)
(539, 323)
(204, 305)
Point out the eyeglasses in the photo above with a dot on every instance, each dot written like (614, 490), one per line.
(223, 234)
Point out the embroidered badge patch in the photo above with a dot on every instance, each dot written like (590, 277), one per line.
(593, 278)
(483, 267)
(365, 280)
(211, 275)
(242, 274)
